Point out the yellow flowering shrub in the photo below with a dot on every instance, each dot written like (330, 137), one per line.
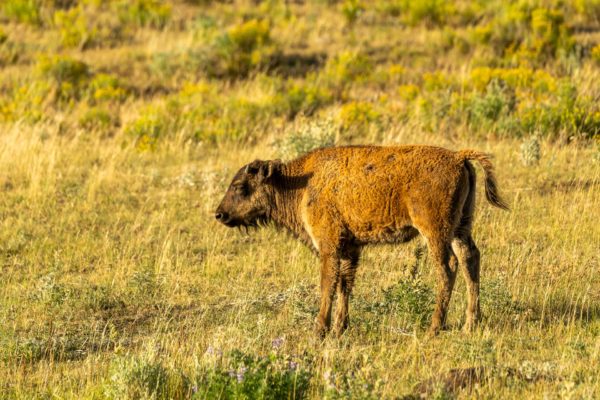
(408, 92)
(105, 87)
(517, 78)
(345, 68)
(357, 116)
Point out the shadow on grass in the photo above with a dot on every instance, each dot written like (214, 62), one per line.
(551, 187)
(560, 310)
(449, 384)
(296, 64)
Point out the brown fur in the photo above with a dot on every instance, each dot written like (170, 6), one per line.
(339, 199)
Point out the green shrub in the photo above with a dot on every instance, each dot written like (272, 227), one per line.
(525, 33)
(245, 376)
(239, 117)
(392, 8)
(235, 375)
(145, 378)
(74, 28)
(351, 9)
(549, 34)
(98, 119)
(25, 102)
(355, 381)
(30, 350)
(344, 69)
(537, 81)
(309, 136)
(200, 113)
(356, 117)
(429, 12)
(101, 298)
(50, 291)
(498, 303)
(434, 81)
(144, 13)
(567, 115)
(408, 92)
(244, 48)
(25, 11)
(105, 87)
(226, 118)
(497, 102)
(412, 300)
(145, 285)
(439, 110)
(530, 151)
(147, 129)
(298, 98)
(68, 76)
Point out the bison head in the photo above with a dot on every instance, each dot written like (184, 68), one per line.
(248, 200)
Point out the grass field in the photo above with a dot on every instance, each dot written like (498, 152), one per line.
(122, 122)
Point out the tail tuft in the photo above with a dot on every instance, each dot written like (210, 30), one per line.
(491, 186)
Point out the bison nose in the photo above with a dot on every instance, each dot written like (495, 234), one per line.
(221, 216)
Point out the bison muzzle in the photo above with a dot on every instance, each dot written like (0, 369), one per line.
(339, 199)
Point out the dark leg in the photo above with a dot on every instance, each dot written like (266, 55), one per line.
(348, 265)
(330, 263)
(446, 271)
(469, 261)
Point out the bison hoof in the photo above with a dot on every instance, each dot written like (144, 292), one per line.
(321, 329)
(340, 328)
(434, 330)
(469, 326)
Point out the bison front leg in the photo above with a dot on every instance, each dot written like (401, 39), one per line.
(330, 263)
(348, 265)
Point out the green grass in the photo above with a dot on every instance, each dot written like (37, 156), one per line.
(117, 282)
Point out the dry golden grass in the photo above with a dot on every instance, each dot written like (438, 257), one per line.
(117, 282)
(110, 252)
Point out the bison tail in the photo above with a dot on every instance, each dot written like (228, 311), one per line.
(491, 186)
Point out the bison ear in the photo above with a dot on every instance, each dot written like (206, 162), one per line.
(254, 167)
(263, 169)
(272, 168)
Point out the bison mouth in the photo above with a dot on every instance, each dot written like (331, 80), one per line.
(244, 222)
(255, 222)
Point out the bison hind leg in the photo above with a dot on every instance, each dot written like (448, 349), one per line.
(442, 256)
(468, 257)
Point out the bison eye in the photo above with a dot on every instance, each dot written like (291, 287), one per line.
(242, 190)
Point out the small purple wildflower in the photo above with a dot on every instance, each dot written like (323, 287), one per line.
(194, 389)
(240, 374)
(277, 342)
(211, 351)
(329, 378)
(292, 365)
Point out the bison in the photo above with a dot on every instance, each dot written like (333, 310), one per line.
(339, 199)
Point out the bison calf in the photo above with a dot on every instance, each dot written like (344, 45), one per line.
(336, 200)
